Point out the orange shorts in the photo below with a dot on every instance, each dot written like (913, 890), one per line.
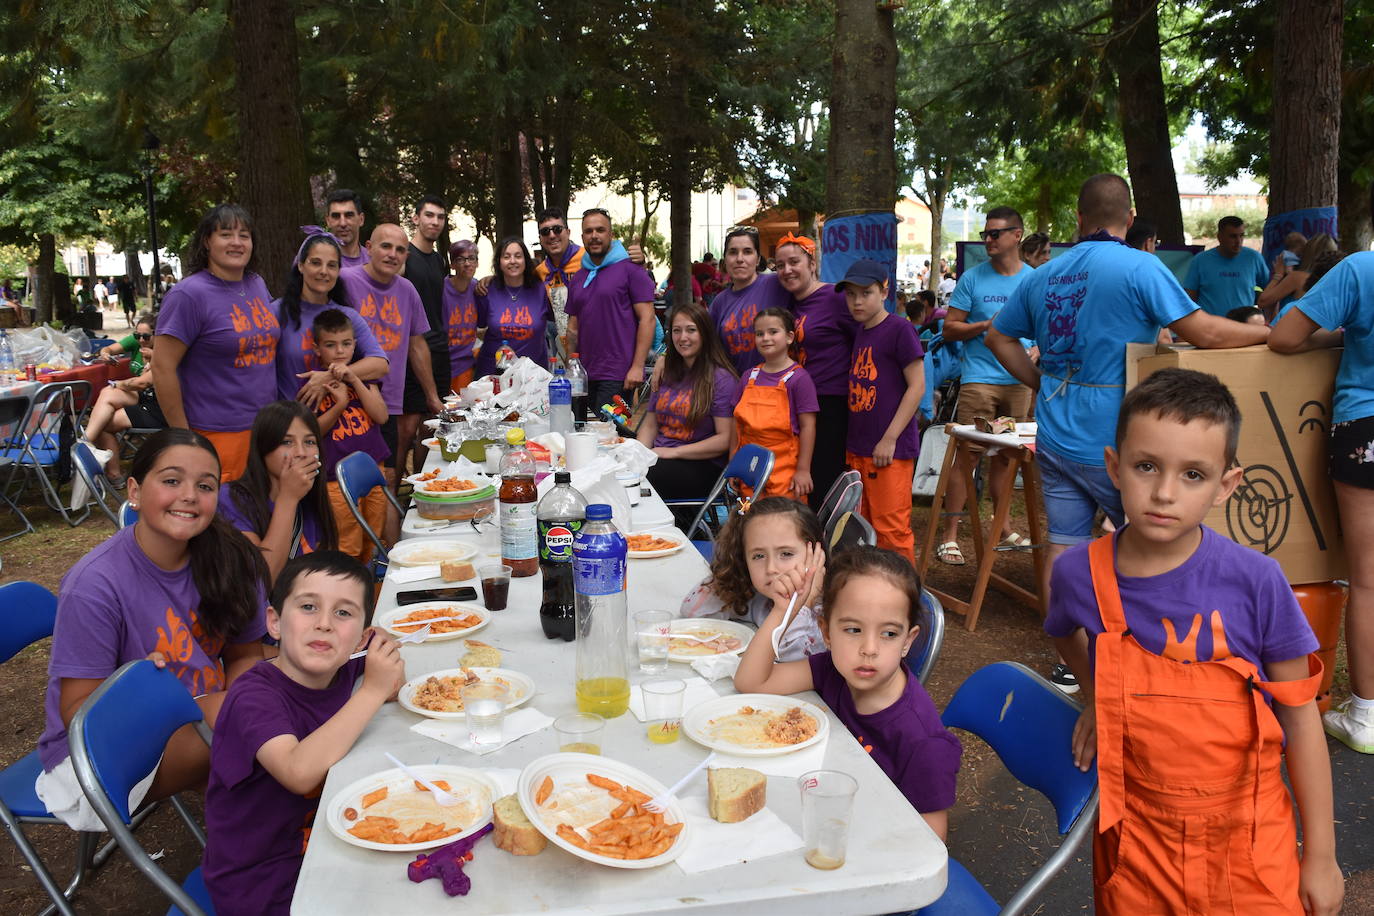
(233, 451)
(458, 383)
(352, 540)
(887, 501)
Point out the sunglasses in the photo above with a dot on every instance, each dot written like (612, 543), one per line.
(143, 336)
(587, 213)
(994, 234)
(551, 230)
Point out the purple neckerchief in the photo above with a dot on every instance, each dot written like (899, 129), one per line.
(312, 233)
(1101, 235)
(568, 253)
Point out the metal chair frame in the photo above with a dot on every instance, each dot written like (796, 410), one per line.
(931, 638)
(752, 465)
(13, 410)
(36, 445)
(94, 477)
(357, 475)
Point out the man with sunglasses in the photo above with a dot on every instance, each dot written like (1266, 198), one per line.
(611, 302)
(986, 388)
(563, 258)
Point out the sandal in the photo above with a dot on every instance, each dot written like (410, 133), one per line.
(949, 553)
(1016, 541)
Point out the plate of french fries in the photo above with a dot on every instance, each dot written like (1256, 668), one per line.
(390, 812)
(592, 806)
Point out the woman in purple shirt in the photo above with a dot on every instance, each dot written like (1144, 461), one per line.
(825, 345)
(514, 311)
(734, 309)
(691, 409)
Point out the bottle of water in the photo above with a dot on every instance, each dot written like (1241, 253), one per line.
(560, 403)
(577, 377)
(6, 359)
(603, 676)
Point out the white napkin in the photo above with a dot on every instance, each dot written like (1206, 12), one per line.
(712, 844)
(694, 693)
(404, 575)
(793, 764)
(507, 780)
(517, 725)
(715, 667)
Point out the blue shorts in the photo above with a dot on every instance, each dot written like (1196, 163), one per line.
(1073, 493)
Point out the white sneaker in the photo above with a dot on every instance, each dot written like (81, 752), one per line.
(1350, 726)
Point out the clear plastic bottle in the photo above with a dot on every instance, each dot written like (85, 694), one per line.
(603, 677)
(562, 513)
(577, 377)
(519, 543)
(560, 403)
(6, 358)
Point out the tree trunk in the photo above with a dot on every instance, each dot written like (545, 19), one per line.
(560, 189)
(133, 269)
(1353, 212)
(861, 168)
(46, 276)
(680, 225)
(273, 182)
(1044, 208)
(1144, 116)
(90, 273)
(534, 164)
(937, 238)
(1304, 143)
(508, 190)
(806, 223)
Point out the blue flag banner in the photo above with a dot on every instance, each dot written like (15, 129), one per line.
(1310, 222)
(846, 239)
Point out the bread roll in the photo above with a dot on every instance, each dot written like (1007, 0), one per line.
(456, 571)
(513, 831)
(735, 793)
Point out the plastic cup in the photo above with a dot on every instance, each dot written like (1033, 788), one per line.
(495, 585)
(485, 703)
(663, 708)
(579, 732)
(651, 637)
(827, 803)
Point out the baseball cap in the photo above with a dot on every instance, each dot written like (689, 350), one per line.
(863, 272)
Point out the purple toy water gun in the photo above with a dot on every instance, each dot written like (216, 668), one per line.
(446, 863)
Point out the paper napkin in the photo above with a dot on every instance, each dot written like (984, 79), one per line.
(517, 724)
(711, 844)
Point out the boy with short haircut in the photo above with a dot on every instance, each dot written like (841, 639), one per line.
(886, 380)
(350, 419)
(284, 723)
(1199, 671)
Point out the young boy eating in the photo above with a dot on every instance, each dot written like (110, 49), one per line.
(284, 723)
(1198, 672)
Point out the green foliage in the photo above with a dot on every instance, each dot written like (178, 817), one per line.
(1203, 223)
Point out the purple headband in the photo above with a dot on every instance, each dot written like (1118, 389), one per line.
(312, 233)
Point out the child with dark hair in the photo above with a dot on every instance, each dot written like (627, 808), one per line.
(1247, 314)
(1198, 681)
(872, 608)
(179, 586)
(285, 723)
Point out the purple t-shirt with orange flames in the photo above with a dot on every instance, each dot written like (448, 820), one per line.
(395, 314)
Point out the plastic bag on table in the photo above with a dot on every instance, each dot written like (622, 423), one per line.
(45, 348)
(634, 456)
(597, 484)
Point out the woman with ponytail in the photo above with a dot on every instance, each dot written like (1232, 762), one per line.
(180, 587)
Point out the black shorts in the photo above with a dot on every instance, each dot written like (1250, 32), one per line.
(1350, 453)
(146, 414)
(389, 437)
(413, 398)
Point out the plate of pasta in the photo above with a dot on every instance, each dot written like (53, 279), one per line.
(428, 551)
(756, 724)
(691, 638)
(466, 619)
(645, 545)
(390, 812)
(438, 695)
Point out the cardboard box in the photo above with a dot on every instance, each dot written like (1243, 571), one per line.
(1285, 506)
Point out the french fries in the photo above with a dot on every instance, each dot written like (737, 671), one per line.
(630, 832)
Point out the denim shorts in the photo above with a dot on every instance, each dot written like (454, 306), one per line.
(1073, 493)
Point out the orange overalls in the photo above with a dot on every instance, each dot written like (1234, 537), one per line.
(763, 417)
(1195, 817)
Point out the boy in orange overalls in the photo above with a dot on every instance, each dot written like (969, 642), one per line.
(1200, 668)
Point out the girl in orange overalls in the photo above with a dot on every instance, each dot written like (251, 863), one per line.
(776, 406)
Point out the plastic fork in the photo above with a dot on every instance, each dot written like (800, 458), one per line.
(418, 636)
(448, 800)
(776, 637)
(659, 803)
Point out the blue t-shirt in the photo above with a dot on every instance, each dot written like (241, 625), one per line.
(1082, 309)
(982, 292)
(1344, 298)
(1224, 283)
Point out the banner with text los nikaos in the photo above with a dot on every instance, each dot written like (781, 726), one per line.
(1311, 221)
(846, 239)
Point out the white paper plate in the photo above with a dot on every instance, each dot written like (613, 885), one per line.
(705, 627)
(697, 723)
(668, 535)
(521, 686)
(387, 620)
(431, 551)
(432, 423)
(459, 779)
(438, 529)
(568, 770)
(430, 442)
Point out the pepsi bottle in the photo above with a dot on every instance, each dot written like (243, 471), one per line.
(561, 514)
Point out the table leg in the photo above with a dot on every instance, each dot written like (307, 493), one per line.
(937, 507)
(1030, 479)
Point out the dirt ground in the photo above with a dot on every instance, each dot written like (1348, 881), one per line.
(998, 829)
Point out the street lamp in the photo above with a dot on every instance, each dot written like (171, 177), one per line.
(150, 147)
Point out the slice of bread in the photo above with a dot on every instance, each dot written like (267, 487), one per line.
(480, 655)
(456, 571)
(735, 793)
(513, 831)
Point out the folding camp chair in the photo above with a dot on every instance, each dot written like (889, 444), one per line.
(852, 529)
(1020, 714)
(844, 496)
(925, 651)
(41, 444)
(117, 738)
(127, 514)
(29, 613)
(97, 484)
(13, 410)
(751, 466)
(358, 474)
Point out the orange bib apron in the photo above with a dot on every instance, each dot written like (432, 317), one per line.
(1195, 818)
(763, 417)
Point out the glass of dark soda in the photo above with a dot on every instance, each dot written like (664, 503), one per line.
(495, 585)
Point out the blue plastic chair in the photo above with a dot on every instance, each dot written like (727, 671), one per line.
(13, 410)
(29, 613)
(751, 466)
(925, 651)
(127, 514)
(117, 738)
(358, 474)
(36, 445)
(97, 484)
(1029, 724)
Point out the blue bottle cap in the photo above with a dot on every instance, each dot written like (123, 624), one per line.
(598, 512)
